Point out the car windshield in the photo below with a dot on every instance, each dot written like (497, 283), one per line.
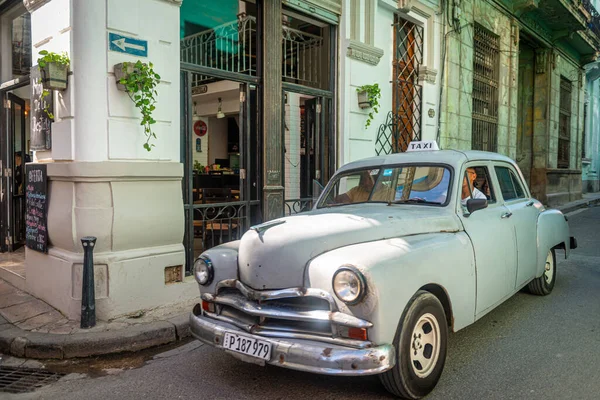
(401, 184)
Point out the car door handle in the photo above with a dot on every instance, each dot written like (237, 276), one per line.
(507, 215)
(529, 204)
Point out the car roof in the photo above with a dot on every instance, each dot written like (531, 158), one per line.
(455, 158)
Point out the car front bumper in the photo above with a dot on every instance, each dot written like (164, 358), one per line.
(302, 355)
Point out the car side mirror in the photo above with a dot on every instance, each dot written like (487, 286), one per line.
(476, 204)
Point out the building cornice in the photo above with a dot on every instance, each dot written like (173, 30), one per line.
(364, 52)
(427, 74)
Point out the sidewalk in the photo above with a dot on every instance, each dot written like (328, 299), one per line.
(589, 199)
(31, 328)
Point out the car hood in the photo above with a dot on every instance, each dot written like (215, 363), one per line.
(275, 254)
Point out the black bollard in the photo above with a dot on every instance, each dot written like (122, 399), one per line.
(88, 297)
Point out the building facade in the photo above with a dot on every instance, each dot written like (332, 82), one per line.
(514, 83)
(242, 128)
(591, 143)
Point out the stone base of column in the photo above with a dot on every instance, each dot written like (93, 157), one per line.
(135, 210)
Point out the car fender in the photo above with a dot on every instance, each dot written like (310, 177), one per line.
(395, 269)
(552, 231)
(224, 259)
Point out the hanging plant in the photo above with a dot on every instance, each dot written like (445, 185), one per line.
(54, 69)
(368, 97)
(46, 104)
(140, 81)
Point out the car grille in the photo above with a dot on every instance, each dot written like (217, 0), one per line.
(295, 312)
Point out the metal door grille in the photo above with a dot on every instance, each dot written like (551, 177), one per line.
(404, 123)
(485, 90)
(564, 128)
(22, 380)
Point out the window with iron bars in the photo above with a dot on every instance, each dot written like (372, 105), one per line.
(564, 124)
(403, 123)
(486, 66)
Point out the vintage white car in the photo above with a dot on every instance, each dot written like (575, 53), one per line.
(397, 251)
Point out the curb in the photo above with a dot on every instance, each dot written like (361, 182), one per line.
(567, 208)
(17, 342)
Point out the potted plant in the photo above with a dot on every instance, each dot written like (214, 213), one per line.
(198, 167)
(368, 97)
(140, 81)
(54, 70)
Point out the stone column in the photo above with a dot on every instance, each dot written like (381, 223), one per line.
(272, 107)
(102, 182)
(541, 123)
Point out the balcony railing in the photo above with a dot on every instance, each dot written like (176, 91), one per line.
(229, 47)
(594, 23)
(232, 47)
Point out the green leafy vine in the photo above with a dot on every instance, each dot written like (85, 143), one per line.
(140, 84)
(45, 93)
(373, 95)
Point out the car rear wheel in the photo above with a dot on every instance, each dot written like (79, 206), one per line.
(543, 285)
(420, 344)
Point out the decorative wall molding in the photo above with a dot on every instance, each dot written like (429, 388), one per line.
(32, 5)
(427, 74)
(541, 61)
(364, 52)
(406, 5)
(521, 7)
(536, 27)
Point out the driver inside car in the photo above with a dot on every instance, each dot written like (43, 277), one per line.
(469, 190)
(359, 193)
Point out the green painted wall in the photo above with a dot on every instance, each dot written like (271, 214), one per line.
(457, 106)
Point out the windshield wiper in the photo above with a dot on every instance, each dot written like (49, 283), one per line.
(414, 201)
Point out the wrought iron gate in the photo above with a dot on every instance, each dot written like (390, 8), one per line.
(217, 215)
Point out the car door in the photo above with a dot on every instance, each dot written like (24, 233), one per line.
(524, 212)
(492, 236)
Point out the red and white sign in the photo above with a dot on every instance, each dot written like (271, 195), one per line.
(200, 128)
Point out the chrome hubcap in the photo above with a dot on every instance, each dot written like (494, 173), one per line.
(549, 271)
(425, 345)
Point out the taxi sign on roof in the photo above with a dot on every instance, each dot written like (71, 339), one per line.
(426, 145)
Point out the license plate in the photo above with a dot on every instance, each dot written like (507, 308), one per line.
(247, 345)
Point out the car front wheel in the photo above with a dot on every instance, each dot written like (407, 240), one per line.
(420, 343)
(543, 285)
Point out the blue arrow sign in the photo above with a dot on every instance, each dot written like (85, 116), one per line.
(127, 45)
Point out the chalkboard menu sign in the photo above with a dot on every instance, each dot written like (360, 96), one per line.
(41, 124)
(36, 207)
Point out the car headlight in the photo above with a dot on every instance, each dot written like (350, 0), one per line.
(349, 285)
(203, 271)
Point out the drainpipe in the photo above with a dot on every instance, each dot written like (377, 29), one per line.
(514, 34)
(550, 68)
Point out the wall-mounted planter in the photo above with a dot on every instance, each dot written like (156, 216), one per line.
(140, 82)
(122, 72)
(54, 76)
(363, 100)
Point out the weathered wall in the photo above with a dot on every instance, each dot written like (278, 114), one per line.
(564, 184)
(457, 106)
